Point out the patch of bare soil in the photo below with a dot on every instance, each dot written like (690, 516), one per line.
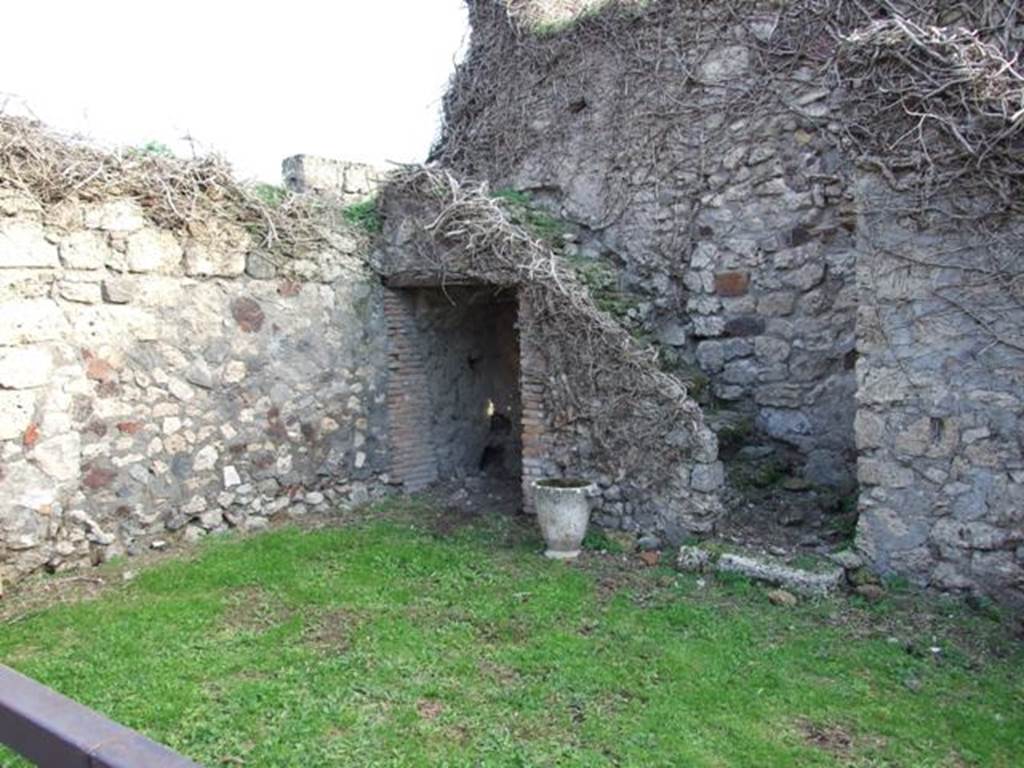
(450, 519)
(25, 600)
(458, 504)
(429, 709)
(254, 609)
(769, 506)
(625, 573)
(331, 631)
(929, 626)
(830, 738)
(42, 591)
(499, 673)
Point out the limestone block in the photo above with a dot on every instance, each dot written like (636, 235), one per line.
(810, 366)
(117, 291)
(735, 348)
(885, 473)
(31, 320)
(797, 579)
(24, 367)
(704, 256)
(987, 453)
(699, 281)
(729, 392)
(24, 244)
(180, 389)
(710, 356)
(199, 373)
(883, 529)
(14, 202)
(934, 438)
(741, 372)
(234, 372)
(950, 576)
(110, 324)
(869, 429)
(121, 216)
(969, 535)
(881, 386)
(707, 477)
(260, 266)
(703, 305)
(997, 568)
(93, 531)
(784, 424)
(81, 293)
(152, 250)
(17, 408)
(216, 248)
(672, 334)
(59, 457)
(201, 260)
(705, 445)
(23, 528)
(205, 460)
(783, 394)
(771, 350)
(85, 250)
(708, 326)
(734, 157)
(806, 277)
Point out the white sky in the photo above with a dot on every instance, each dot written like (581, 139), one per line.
(351, 79)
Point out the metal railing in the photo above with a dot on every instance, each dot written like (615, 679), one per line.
(53, 731)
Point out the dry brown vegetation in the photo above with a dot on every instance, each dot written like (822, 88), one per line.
(175, 193)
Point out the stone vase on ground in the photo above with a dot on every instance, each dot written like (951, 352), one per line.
(563, 512)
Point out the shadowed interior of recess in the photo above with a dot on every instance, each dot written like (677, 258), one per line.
(468, 344)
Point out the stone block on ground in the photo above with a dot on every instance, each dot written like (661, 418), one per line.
(793, 579)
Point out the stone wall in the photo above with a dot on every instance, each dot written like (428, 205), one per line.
(727, 221)
(350, 182)
(151, 388)
(684, 147)
(667, 485)
(940, 423)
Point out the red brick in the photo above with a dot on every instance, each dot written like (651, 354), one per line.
(98, 369)
(728, 284)
(248, 314)
(31, 435)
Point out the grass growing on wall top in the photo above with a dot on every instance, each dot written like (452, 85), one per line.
(365, 215)
(399, 642)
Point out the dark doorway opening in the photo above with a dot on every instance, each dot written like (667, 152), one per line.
(459, 345)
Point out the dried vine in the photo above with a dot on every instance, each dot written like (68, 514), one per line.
(597, 374)
(929, 94)
(937, 100)
(174, 193)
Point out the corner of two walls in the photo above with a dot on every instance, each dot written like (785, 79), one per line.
(157, 385)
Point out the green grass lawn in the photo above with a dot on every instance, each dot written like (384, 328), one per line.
(398, 642)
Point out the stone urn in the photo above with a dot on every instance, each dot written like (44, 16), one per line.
(563, 511)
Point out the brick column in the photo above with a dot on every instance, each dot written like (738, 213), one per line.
(531, 385)
(413, 461)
